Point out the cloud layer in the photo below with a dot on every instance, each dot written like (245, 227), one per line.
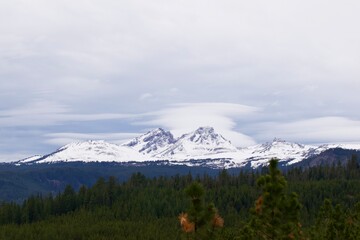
(316, 130)
(253, 69)
(184, 118)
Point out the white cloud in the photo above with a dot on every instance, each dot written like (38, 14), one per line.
(81, 50)
(99, 60)
(11, 157)
(43, 113)
(59, 139)
(183, 118)
(146, 96)
(174, 90)
(316, 130)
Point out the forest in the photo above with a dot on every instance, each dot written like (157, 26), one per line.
(321, 202)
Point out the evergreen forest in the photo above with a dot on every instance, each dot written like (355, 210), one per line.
(321, 202)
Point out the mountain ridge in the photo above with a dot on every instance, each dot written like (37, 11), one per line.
(202, 147)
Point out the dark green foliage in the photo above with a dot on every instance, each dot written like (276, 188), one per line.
(147, 208)
(276, 213)
(334, 223)
(93, 225)
(201, 221)
(19, 182)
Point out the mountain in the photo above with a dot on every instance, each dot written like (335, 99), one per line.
(286, 152)
(31, 159)
(202, 147)
(330, 157)
(152, 142)
(201, 143)
(89, 151)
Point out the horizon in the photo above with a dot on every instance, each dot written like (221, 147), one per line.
(275, 139)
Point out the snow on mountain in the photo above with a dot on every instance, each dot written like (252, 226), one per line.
(31, 159)
(198, 144)
(92, 151)
(203, 147)
(152, 142)
(259, 155)
(349, 146)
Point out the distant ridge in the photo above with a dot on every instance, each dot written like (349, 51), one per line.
(202, 147)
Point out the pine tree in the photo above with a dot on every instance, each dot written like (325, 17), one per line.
(201, 221)
(276, 213)
(334, 223)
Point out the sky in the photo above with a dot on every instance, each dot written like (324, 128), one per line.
(114, 69)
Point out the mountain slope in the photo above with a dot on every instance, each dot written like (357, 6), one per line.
(92, 151)
(330, 157)
(152, 142)
(288, 152)
(202, 147)
(198, 144)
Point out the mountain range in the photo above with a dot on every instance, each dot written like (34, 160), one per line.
(202, 147)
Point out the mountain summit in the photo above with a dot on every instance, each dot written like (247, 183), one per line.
(152, 142)
(90, 151)
(202, 147)
(202, 142)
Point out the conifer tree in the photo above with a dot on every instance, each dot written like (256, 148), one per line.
(276, 213)
(201, 221)
(352, 226)
(334, 223)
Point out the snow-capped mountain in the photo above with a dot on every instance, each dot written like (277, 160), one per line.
(203, 147)
(288, 152)
(31, 159)
(152, 142)
(90, 151)
(200, 143)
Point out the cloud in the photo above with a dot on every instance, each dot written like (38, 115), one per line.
(91, 61)
(11, 157)
(59, 139)
(174, 90)
(43, 113)
(313, 130)
(77, 51)
(183, 118)
(146, 96)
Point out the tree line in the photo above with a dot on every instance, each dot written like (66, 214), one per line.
(315, 203)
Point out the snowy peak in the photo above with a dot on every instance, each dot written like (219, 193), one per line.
(200, 143)
(91, 151)
(206, 135)
(152, 142)
(285, 151)
(98, 144)
(279, 144)
(30, 159)
(204, 147)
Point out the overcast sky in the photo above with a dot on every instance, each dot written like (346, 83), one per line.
(111, 69)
